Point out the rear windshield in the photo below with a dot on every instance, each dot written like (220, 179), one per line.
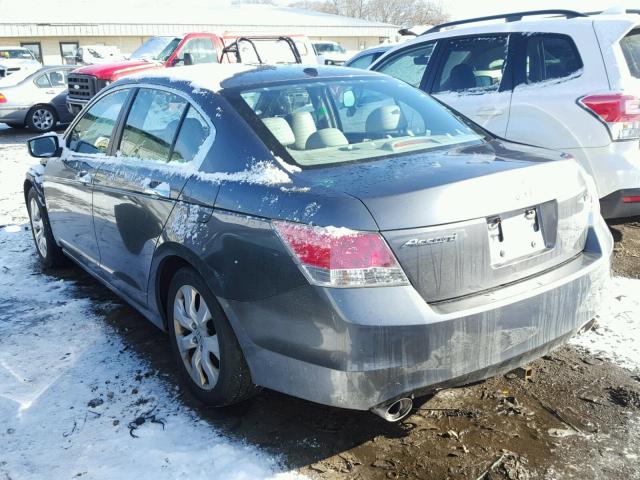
(345, 120)
(631, 49)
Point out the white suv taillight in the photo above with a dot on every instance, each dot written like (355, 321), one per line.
(340, 257)
(621, 113)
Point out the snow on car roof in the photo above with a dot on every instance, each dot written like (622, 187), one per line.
(212, 76)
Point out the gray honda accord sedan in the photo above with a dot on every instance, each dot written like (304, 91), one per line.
(329, 233)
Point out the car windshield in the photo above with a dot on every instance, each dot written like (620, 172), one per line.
(631, 49)
(343, 120)
(156, 48)
(19, 54)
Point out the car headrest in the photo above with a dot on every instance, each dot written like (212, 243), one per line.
(384, 119)
(462, 77)
(280, 129)
(327, 137)
(303, 126)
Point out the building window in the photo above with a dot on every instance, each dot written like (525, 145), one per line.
(68, 52)
(35, 48)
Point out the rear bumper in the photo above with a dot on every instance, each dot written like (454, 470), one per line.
(615, 167)
(13, 114)
(621, 204)
(357, 348)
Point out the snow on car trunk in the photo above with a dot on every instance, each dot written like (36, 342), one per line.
(70, 390)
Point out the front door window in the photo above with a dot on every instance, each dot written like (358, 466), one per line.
(93, 132)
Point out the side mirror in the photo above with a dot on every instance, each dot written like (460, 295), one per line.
(421, 60)
(45, 146)
(188, 59)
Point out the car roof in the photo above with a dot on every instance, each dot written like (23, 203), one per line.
(12, 47)
(530, 24)
(215, 77)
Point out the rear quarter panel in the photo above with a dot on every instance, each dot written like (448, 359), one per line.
(547, 114)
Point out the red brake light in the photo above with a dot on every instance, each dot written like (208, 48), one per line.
(3, 99)
(631, 199)
(620, 112)
(339, 257)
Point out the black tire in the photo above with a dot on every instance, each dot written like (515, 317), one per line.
(233, 383)
(42, 118)
(51, 255)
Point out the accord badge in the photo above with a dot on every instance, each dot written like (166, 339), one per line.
(418, 242)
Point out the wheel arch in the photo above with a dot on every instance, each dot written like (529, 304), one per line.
(168, 259)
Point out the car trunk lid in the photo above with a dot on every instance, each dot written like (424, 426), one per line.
(474, 218)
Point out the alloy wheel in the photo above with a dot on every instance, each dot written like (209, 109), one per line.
(196, 337)
(37, 225)
(42, 119)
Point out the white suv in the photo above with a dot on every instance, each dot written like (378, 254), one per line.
(561, 79)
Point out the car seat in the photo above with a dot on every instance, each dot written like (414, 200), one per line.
(280, 129)
(303, 127)
(384, 120)
(326, 137)
(462, 77)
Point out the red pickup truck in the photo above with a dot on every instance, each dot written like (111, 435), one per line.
(188, 49)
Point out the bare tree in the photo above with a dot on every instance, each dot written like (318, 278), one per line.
(396, 12)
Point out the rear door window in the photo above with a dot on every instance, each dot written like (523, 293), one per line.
(58, 78)
(152, 124)
(193, 133)
(631, 50)
(409, 65)
(94, 130)
(550, 57)
(43, 81)
(472, 64)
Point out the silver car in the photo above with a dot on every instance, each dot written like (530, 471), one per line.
(35, 100)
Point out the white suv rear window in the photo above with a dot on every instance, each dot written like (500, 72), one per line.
(631, 49)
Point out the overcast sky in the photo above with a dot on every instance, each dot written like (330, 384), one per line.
(460, 9)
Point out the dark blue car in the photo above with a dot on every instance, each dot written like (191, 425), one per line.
(329, 233)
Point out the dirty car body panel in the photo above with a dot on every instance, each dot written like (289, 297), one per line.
(498, 250)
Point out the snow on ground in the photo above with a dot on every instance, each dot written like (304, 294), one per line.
(68, 387)
(617, 336)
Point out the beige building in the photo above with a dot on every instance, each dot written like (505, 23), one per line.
(54, 29)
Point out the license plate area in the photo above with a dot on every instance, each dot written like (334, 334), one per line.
(515, 236)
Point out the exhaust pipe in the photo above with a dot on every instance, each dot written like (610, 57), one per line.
(395, 410)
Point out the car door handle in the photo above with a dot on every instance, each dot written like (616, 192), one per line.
(158, 189)
(50, 92)
(489, 111)
(84, 177)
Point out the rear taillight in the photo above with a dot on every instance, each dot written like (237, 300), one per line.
(621, 113)
(339, 257)
(631, 199)
(3, 99)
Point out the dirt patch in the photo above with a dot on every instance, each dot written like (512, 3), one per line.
(626, 251)
(625, 397)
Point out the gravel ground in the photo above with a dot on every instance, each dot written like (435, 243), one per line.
(578, 418)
